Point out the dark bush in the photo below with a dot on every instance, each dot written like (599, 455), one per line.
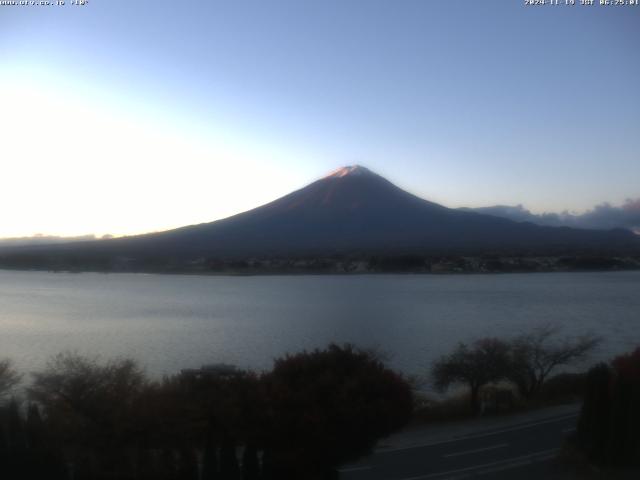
(609, 424)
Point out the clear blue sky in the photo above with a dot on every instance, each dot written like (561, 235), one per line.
(126, 116)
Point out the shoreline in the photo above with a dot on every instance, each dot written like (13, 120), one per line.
(312, 273)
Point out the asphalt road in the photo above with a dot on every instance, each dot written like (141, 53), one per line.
(520, 448)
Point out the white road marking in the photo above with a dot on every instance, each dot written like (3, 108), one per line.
(568, 430)
(510, 462)
(467, 452)
(479, 435)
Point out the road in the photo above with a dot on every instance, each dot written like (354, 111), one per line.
(479, 455)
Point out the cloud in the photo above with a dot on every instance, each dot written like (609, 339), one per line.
(601, 217)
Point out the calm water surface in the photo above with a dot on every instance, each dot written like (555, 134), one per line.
(170, 322)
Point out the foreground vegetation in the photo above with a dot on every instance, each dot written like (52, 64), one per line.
(608, 430)
(524, 363)
(313, 411)
(82, 418)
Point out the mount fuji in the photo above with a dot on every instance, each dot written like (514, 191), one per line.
(350, 211)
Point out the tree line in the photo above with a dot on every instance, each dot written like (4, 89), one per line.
(91, 419)
(82, 418)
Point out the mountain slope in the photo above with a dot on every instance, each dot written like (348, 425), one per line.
(353, 210)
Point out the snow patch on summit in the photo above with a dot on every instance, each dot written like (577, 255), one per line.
(350, 170)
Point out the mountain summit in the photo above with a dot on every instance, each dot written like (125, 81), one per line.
(351, 211)
(355, 170)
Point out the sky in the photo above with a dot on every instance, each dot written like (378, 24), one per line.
(124, 117)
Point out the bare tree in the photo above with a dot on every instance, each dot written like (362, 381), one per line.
(536, 354)
(89, 398)
(9, 378)
(485, 361)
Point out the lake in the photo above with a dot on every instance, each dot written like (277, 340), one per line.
(169, 322)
